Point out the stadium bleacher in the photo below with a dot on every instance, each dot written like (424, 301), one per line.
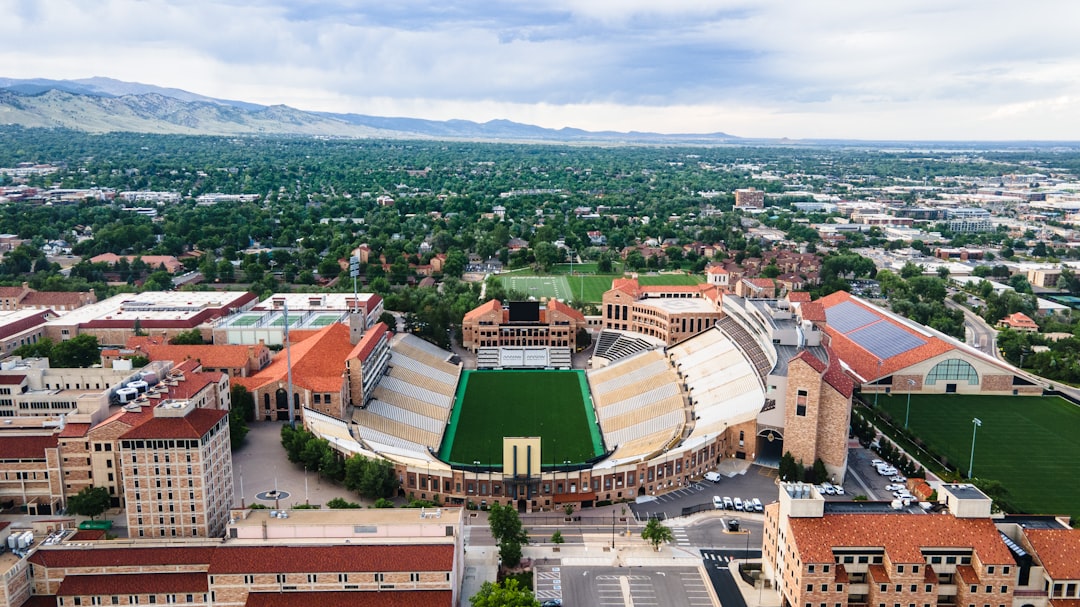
(747, 344)
(614, 345)
(638, 402)
(412, 401)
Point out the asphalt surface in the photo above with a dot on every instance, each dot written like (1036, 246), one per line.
(758, 481)
(723, 579)
(637, 586)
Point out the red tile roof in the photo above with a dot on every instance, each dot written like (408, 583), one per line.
(132, 583)
(192, 384)
(798, 296)
(318, 362)
(368, 341)
(214, 356)
(58, 298)
(902, 535)
(1020, 320)
(1057, 550)
(26, 447)
(815, 363)
(864, 363)
(74, 431)
(812, 311)
(555, 305)
(330, 559)
(626, 285)
(401, 598)
(87, 535)
(68, 558)
(835, 376)
(493, 305)
(11, 380)
(193, 425)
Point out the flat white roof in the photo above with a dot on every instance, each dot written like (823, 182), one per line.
(150, 305)
(11, 316)
(312, 301)
(675, 305)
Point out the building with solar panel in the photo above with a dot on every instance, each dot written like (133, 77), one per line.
(886, 353)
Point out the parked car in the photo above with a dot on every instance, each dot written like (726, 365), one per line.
(552, 603)
(717, 502)
(898, 479)
(738, 504)
(712, 477)
(758, 506)
(728, 504)
(829, 489)
(839, 489)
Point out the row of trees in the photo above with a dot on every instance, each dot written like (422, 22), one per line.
(371, 478)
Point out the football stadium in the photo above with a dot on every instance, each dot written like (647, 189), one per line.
(520, 427)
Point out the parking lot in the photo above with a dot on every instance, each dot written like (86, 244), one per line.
(757, 482)
(864, 479)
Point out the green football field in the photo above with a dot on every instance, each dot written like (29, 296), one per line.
(670, 279)
(1029, 444)
(553, 405)
(538, 286)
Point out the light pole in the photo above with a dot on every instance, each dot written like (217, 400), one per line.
(911, 386)
(613, 530)
(566, 470)
(975, 428)
(747, 557)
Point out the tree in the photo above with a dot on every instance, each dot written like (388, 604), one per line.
(370, 477)
(507, 593)
(819, 472)
(582, 339)
(241, 411)
(79, 351)
(508, 533)
(787, 467)
(557, 538)
(341, 504)
(187, 338)
(91, 501)
(656, 533)
(568, 508)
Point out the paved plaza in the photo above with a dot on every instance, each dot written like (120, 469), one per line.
(261, 465)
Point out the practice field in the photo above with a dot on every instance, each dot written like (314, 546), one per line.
(670, 279)
(590, 289)
(1028, 444)
(553, 405)
(538, 286)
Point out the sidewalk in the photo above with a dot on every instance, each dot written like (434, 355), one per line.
(754, 597)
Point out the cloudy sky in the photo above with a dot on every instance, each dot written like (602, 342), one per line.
(863, 69)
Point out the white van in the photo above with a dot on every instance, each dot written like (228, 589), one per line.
(758, 507)
(738, 504)
(712, 477)
(717, 502)
(728, 504)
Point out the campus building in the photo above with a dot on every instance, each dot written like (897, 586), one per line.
(233, 360)
(177, 469)
(885, 353)
(749, 198)
(817, 552)
(265, 321)
(384, 558)
(669, 313)
(21, 328)
(550, 323)
(45, 459)
(158, 313)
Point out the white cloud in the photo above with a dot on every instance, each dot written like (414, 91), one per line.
(928, 69)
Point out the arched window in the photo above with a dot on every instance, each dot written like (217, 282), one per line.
(953, 369)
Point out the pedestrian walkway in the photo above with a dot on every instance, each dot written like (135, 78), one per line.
(678, 534)
(548, 582)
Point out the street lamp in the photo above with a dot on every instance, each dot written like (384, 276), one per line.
(971, 462)
(612, 529)
(911, 386)
(566, 471)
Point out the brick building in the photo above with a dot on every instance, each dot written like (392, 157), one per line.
(887, 353)
(844, 553)
(177, 472)
(233, 360)
(25, 298)
(549, 324)
(669, 313)
(395, 558)
(21, 328)
(749, 198)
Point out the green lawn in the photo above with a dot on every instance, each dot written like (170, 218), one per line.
(548, 404)
(590, 289)
(1028, 444)
(538, 286)
(670, 279)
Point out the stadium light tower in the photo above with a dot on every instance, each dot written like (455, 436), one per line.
(566, 471)
(975, 428)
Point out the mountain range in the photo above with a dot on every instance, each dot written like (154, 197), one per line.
(107, 105)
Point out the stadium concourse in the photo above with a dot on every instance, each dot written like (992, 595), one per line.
(664, 414)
